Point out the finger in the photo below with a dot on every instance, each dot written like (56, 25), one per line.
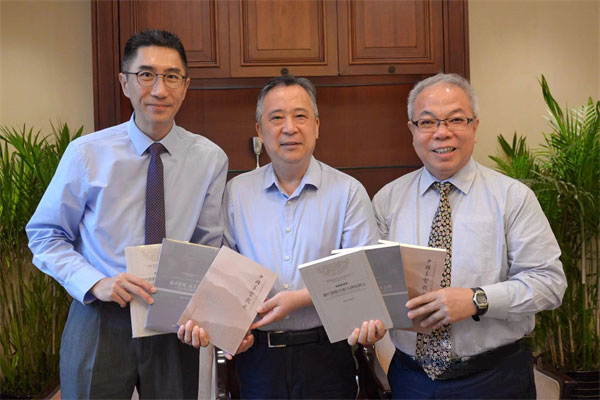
(144, 284)
(246, 344)
(267, 306)
(228, 355)
(120, 295)
(249, 341)
(204, 339)
(189, 328)
(380, 327)
(181, 332)
(372, 332)
(353, 338)
(137, 290)
(265, 320)
(362, 335)
(423, 310)
(423, 299)
(196, 342)
(433, 319)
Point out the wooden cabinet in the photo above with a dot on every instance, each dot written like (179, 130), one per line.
(390, 37)
(203, 26)
(273, 37)
(264, 38)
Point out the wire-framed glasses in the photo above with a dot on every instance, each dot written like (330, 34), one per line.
(173, 80)
(454, 124)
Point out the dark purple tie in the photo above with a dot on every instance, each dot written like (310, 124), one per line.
(155, 197)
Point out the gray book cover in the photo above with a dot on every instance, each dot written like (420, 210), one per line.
(386, 264)
(181, 268)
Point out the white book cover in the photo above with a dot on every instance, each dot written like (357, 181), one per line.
(344, 292)
(226, 300)
(141, 262)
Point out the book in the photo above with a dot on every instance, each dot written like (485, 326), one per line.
(226, 300)
(181, 267)
(141, 262)
(371, 282)
(423, 269)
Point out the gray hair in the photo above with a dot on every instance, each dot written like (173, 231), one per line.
(451, 79)
(287, 80)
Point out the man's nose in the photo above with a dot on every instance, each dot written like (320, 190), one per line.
(289, 125)
(159, 89)
(442, 130)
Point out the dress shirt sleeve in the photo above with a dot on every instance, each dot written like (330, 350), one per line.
(360, 228)
(535, 279)
(209, 229)
(54, 228)
(228, 221)
(379, 208)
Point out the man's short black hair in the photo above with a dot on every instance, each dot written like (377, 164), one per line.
(287, 80)
(153, 37)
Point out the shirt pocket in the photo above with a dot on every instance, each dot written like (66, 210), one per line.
(478, 249)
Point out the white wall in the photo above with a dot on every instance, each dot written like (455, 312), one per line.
(46, 63)
(512, 43)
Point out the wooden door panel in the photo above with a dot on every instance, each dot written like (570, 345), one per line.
(268, 36)
(203, 27)
(390, 37)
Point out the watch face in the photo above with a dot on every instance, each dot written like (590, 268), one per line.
(481, 298)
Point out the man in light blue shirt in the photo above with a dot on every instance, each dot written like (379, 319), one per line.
(291, 211)
(95, 207)
(504, 258)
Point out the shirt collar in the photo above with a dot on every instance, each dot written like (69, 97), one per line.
(141, 141)
(311, 177)
(462, 180)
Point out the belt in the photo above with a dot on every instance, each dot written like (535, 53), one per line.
(290, 338)
(466, 366)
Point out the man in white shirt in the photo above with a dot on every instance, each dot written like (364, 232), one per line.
(502, 265)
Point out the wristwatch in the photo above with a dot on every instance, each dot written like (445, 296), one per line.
(481, 302)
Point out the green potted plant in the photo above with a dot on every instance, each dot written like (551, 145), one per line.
(34, 306)
(565, 176)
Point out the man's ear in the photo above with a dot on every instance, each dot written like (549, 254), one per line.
(318, 122)
(124, 83)
(411, 126)
(258, 131)
(186, 85)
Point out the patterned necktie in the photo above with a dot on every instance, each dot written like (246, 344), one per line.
(155, 197)
(434, 349)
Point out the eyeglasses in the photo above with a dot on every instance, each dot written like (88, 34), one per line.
(454, 124)
(173, 80)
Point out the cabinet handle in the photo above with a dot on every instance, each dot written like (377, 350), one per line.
(284, 71)
(391, 69)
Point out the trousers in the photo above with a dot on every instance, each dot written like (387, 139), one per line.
(100, 359)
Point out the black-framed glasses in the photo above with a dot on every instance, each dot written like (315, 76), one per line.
(173, 80)
(454, 124)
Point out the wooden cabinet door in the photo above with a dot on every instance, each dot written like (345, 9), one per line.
(203, 27)
(274, 37)
(379, 37)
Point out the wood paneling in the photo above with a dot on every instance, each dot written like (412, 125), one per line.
(271, 36)
(390, 37)
(106, 63)
(373, 144)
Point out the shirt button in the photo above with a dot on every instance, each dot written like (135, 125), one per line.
(286, 286)
(286, 258)
(289, 202)
(288, 229)
(287, 317)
